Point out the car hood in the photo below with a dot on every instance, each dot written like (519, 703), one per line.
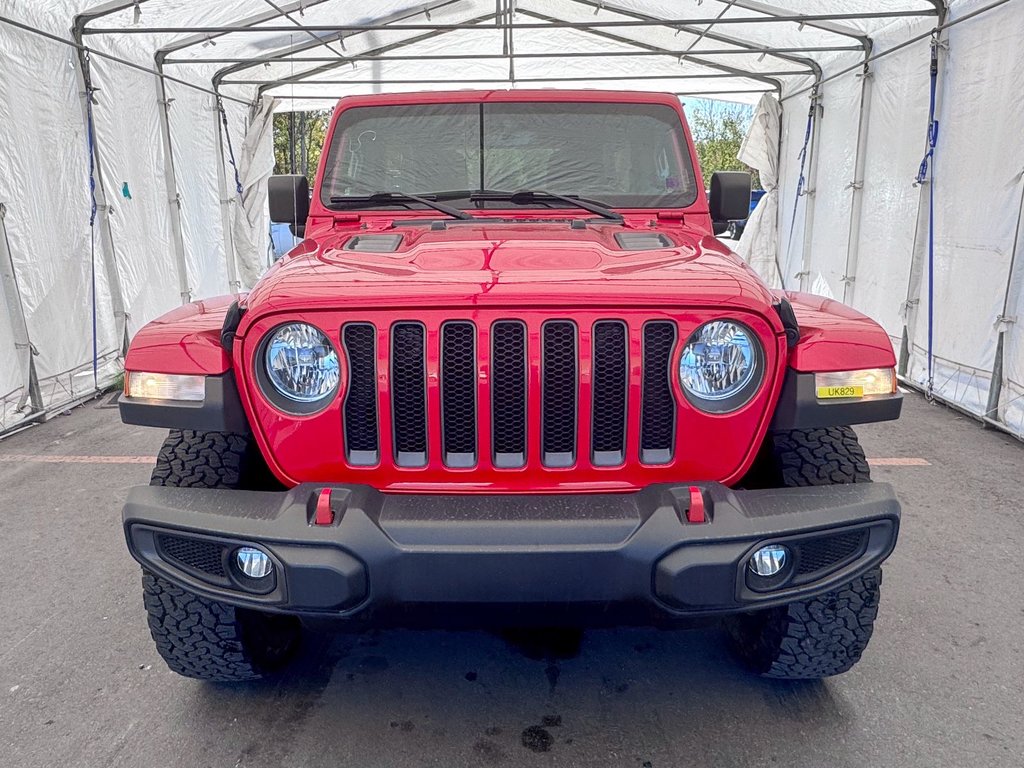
(522, 264)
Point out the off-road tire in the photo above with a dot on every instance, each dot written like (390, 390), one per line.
(212, 641)
(196, 636)
(190, 459)
(824, 635)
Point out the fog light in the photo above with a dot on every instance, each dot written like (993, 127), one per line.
(768, 561)
(254, 563)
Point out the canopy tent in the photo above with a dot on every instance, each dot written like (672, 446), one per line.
(135, 146)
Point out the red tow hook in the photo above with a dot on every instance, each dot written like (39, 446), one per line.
(324, 513)
(696, 513)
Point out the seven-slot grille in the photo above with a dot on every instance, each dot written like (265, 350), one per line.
(531, 380)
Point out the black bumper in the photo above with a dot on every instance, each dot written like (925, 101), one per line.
(590, 552)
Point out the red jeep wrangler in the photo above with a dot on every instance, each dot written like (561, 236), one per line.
(510, 377)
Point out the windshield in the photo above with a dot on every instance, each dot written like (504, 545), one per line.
(626, 155)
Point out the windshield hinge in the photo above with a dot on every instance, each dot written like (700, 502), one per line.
(345, 220)
(671, 216)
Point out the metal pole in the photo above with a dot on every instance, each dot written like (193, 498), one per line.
(1011, 298)
(83, 76)
(171, 188)
(718, 37)
(31, 395)
(919, 247)
(291, 142)
(82, 49)
(809, 19)
(227, 199)
(856, 187)
(554, 79)
(944, 25)
(810, 192)
(675, 54)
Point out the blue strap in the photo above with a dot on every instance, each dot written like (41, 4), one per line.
(91, 144)
(231, 151)
(926, 174)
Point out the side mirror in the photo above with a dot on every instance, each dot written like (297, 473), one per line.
(289, 201)
(730, 196)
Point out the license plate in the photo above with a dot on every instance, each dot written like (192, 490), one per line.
(828, 393)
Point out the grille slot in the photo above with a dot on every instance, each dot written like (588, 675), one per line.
(409, 393)
(828, 552)
(658, 406)
(558, 393)
(610, 382)
(508, 393)
(458, 393)
(362, 444)
(206, 557)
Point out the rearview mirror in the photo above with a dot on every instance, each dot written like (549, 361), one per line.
(289, 201)
(730, 196)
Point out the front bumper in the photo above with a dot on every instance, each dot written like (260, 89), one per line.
(587, 551)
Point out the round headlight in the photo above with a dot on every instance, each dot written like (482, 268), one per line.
(721, 366)
(301, 364)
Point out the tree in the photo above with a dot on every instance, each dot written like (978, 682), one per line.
(299, 140)
(718, 129)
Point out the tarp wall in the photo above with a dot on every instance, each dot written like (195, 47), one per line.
(173, 234)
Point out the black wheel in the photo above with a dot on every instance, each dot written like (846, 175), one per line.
(824, 635)
(196, 636)
(212, 641)
(734, 230)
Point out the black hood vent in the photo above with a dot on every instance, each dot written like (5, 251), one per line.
(373, 243)
(642, 241)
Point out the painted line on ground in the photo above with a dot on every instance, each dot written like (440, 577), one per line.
(899, 462)
(45, 458)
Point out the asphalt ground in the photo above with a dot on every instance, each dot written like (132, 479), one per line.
(940, 685)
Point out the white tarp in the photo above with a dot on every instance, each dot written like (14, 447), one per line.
(760, 150)
(174, 226)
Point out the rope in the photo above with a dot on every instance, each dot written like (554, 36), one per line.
(803, 162)
(231, 151)
(926, 175)
(91, 144)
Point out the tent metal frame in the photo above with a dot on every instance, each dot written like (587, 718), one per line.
(504, 18)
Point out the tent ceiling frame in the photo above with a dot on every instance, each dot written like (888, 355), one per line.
(721, 69)
(281, 54)
(305, 75)
(826, 25)
(287, 14)
(811, 19)
(552, 55)
(826, 22)
(766, 77)
(249, 21)
(749, 46)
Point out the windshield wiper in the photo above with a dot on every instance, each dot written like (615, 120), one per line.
(527, 196)
(399, 198)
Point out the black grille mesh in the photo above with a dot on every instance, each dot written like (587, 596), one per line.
(409, 393)
(360, 411)
(658, 409)
(508, 388)
(558, 390)
(610, 379)
(815, 555)
(458, 388)
(197, 554)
